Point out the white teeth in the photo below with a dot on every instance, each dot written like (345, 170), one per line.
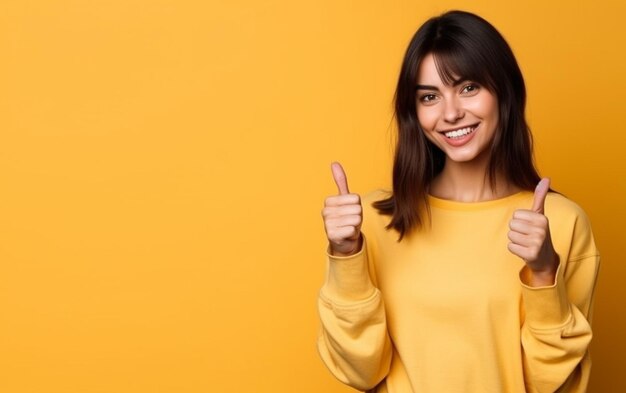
(459, 133)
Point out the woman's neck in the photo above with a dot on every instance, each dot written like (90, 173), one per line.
(469, 182)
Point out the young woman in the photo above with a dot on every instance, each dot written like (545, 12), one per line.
(470, 276)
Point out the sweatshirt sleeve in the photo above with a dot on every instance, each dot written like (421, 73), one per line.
(557, 327)
(353, 341)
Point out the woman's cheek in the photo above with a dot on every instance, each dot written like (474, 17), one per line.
(427, 117)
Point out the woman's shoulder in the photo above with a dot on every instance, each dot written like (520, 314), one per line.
(557, 204)
(570, 228)
(371, 215)
(375, 223)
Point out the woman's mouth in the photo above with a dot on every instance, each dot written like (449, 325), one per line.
(461, 132)
(460, 136)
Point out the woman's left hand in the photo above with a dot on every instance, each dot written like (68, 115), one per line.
(530, 240)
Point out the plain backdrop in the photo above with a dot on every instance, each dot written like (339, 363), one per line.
(163, 164)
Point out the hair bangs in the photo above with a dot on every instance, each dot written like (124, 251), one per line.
(457, 63)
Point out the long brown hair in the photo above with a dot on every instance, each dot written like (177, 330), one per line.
(464, 46)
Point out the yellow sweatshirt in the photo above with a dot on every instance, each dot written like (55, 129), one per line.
(444, 310)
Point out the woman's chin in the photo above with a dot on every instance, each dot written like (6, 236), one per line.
(465, 156)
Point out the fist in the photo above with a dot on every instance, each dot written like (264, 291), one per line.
(343, 215)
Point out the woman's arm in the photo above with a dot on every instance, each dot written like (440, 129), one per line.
(557, 329)
(353, 342)
(558, 284)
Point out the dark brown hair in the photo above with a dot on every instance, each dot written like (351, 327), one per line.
(465, 47)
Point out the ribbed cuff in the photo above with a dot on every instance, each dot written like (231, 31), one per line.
(547, 307)
(348, 277)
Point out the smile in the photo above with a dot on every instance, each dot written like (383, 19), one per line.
(459, 132)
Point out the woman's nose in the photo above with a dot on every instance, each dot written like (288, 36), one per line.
(453, 111)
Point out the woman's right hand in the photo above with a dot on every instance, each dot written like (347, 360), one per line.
(343, 216)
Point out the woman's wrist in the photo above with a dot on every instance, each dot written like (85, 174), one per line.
(540, 278)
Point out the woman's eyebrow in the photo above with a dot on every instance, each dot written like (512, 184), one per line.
(455, 83)
(460, 81)
(426, 87)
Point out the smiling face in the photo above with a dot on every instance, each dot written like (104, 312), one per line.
(461, 119)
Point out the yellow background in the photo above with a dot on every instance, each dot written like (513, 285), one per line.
(163, 165)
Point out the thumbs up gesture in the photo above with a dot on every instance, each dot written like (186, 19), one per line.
(530, 240)
(343, 216)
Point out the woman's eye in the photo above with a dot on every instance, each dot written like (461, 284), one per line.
(426, 98)
(470, 88)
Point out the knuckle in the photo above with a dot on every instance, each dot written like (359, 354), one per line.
(330, 223)
(336, 236)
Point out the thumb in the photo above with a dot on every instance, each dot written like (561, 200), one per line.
(340, 178)
(540, 195)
